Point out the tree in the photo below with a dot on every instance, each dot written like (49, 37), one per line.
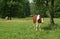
(7, 9)
(23, 8)
(27, 9)
(32, 8)
(52, 12)
(57, 8)
(40, 7)
(15, 8)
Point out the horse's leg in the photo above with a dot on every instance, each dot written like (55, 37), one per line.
(36, 26)
(39, 26)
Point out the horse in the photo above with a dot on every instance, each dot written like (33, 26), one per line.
(36, 20)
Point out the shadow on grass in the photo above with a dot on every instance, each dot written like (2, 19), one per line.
(51, 27)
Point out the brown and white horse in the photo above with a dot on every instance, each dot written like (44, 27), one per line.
(36, 20)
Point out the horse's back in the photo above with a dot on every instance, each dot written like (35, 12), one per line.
(37, 20)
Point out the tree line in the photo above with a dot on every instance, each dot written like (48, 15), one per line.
(22, 8)
(44, 7)
(14, 8)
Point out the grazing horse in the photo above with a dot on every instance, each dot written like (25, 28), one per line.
(36, 20)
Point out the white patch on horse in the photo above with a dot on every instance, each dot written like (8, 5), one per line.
(38, 16)
(42, 20)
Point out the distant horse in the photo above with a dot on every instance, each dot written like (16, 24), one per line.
(36, 20)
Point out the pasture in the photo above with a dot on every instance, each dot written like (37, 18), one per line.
(24, 29)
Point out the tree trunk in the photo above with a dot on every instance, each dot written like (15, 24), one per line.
(52, 12)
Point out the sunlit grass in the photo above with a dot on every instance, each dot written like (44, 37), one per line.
(24, 29)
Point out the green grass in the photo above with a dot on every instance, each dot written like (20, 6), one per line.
(24, 29)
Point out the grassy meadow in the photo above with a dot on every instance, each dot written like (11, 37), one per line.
(24, 29)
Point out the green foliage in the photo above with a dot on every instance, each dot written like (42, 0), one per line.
(42, 6)
(57, 8)
(15, 8)
(22, 8)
